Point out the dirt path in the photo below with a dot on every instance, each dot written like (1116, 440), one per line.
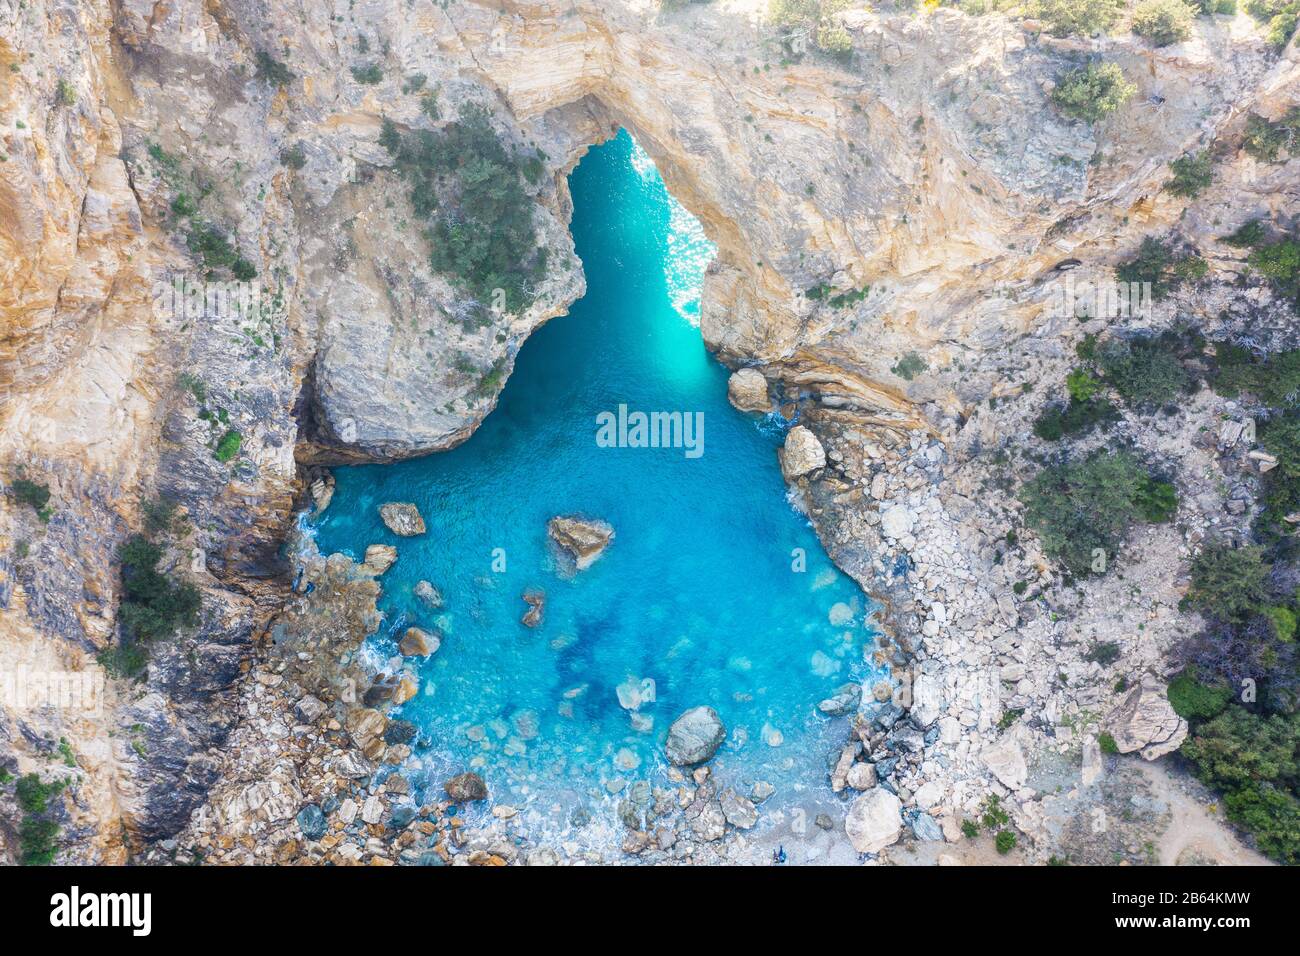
(1196, 836)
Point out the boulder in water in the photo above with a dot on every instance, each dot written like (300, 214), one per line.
(695, 736)
(402, 518)
(535, 600)
(802, 453)
(466, 787)
(747, 390)
(379, 558)
(417, 642)
(582, 539)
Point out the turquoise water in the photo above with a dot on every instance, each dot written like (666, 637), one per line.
(700, 597)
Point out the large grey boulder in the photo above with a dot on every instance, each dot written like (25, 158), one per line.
(874, 821)
(402, 518)
(802, 453)
(584, 540)
(747, 390)
(695, 736)
(1145, 721)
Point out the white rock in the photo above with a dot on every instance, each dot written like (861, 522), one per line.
(802, 453)
(1006, 761)
(874, 821)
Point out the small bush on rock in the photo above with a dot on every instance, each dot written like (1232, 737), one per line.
(1092, 92)
(1163, 21)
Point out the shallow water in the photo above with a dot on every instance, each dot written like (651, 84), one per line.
(700, 598)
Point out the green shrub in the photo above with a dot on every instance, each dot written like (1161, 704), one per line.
(34, 796)
(1155, 262)
(993, 816)
(1279, 261)
(815, 19)
(1082, 384)
(1163, 21)
(38, 841)
(1272, 815)
(211, 245)
(909, 366)
(153, 605)
(970, 829)
(1106, 743)
(1239, 748)
(1073, 418)
(368, 75)
(1193, 173)
(1284, 622)
(272, 70)
(1076, 17)
(228, 446)
(486, 239)
(1104, 653)
(293, 157)
(1264, 140)
(1092, 92)
(1079, 508)
(65, 93)
(1005, 842)
(1156, 501)
(1248, 235)
(1229, 583)
(1144, 370)
(1193, 700)
(30, 493)
(1279, 18)
(1272, 378)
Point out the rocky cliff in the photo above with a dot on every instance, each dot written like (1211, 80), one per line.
(887, 227)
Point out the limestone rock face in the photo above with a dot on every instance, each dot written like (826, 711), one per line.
(1145, 721)
(802, 453)
(584, 540)
(402, 518)
(747, 390)
(695, 736)
(874, 821)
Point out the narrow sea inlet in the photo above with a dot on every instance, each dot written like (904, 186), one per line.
(714, 590)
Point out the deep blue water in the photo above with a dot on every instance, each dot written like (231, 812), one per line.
(698, 592)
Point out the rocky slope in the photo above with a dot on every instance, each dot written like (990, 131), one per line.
(921, 192)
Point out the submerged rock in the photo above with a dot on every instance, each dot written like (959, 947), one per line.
(582, 539)
(428, 595)
(466, 787)
(402, 518)
(417, 642)
(535, 600)
(874, 821)
(695, 736)
(311, 821)
(802, 453)
(747, 390)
